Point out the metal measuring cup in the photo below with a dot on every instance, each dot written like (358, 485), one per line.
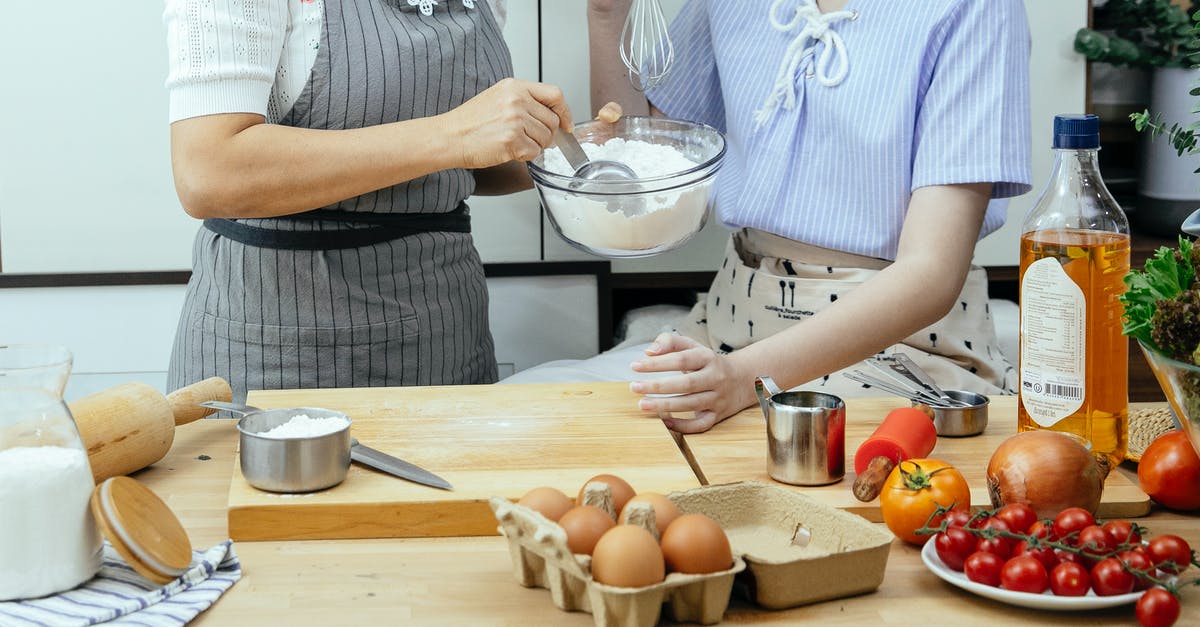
(806, 434)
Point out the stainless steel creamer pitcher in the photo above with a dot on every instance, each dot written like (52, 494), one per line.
(806, 434)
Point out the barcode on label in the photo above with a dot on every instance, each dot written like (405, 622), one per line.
(1073, 392)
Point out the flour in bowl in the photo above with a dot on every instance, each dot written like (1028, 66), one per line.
(645, 159)
(303, 426)
(648, 217)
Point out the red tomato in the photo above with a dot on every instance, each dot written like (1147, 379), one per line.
(1170, 471)
(1157, 608)
(1109, 578)
(1068, 556)
(1169, 553)
(1024, 574)
(1122, 532)
(1019, 516)
(1043, 554)
(984, 568)
(999, 546)
(1137, 562)
(957, 517)
(1042, 529)
(1095, 543)
(1069, 579)
(954, 546)
(1072, 520)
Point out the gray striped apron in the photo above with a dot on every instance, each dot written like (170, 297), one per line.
(405, 308)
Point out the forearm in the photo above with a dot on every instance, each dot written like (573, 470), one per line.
(609, 77)
(915, 291)
(506, 178)
(251, 169)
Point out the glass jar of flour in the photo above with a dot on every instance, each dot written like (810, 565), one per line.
(48, 539)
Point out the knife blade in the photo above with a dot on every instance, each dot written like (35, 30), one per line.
(379, 460)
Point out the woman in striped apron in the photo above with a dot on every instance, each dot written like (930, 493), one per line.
(329, 146)
(866, 139)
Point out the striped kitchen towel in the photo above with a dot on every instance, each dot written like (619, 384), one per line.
(119, 596)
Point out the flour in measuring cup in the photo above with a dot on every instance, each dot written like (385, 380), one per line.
(303, 426)
(48, 538)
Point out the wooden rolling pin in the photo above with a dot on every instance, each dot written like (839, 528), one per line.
(132, 425)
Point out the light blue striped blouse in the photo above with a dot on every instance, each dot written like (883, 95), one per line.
(934, 92)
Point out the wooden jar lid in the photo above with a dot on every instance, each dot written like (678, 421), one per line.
(143, 530)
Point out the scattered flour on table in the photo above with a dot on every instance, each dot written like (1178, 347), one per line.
(645, 159)
(303, 426)
(48, 539)
(628, 222)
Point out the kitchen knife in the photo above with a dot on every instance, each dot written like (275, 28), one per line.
(379, 460)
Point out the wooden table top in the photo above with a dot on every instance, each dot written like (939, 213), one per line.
(469, 581)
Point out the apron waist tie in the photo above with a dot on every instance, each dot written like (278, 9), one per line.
(382, 227)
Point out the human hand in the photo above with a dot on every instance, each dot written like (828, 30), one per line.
(611, 113)
(710, 385)
(512, 120)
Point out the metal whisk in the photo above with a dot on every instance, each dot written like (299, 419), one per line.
(646, 47)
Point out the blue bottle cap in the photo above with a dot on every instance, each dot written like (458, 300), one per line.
(1077, 131)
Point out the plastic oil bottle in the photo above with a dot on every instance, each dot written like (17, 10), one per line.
(1074, 258)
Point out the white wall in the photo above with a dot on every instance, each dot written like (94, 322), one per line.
(1058, 80)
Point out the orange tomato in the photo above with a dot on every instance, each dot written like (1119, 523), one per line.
(915, 490)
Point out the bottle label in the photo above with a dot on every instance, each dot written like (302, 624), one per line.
(1053, 342)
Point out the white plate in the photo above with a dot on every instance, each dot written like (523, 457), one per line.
(1044, 601)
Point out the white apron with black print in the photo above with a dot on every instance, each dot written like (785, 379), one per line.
(768, 283)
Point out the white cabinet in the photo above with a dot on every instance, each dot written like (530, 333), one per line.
(119, 334)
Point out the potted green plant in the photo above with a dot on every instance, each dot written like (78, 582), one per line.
(1155, 36)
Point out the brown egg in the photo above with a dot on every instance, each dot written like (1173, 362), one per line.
(696, 544)
(628, 557)
(549, 502)
(665, 510)
(621, 491)
(584, 525)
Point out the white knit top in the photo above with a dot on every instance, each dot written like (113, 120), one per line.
(248, 56)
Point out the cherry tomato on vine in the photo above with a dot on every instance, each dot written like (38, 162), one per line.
(984, 568)
(1069, 579)
(1068, 556)
(1042, 529)
(954, 546)
(1019, 516)
(1165, 549)
(1043, 554)
(1109, 578)
(1137, 560)
(1072, 520)
(1122, 532)
(957, 517)
(1024, 574)
(998, 546)
(1157, 608)
(1095, 543)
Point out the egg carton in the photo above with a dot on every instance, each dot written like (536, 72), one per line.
(789, 550)
(541, 559)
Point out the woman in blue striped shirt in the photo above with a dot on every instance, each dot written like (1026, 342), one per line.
(865, 141)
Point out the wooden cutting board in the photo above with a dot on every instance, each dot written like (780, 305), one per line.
(736, 450)
(486, 440)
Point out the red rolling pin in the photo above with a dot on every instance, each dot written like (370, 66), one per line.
(905, 433)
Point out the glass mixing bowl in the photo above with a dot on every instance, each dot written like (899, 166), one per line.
(638, 217)
(1180, 383)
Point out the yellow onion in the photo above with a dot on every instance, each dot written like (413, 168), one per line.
(1046, 470)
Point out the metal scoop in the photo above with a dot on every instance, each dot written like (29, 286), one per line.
(599, 170)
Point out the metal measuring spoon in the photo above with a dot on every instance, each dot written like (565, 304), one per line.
(601, 169)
